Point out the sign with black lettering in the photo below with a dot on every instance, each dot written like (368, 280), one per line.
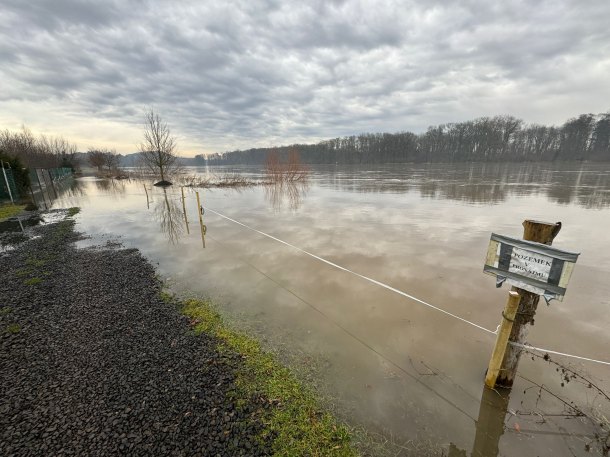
(535, 267)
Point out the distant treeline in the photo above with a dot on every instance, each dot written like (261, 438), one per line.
(495, 139)
(38, 151)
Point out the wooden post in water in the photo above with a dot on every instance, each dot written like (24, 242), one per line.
(186, 222)
(540, 232)
(147, 200)
(200, 219)
(497, 356)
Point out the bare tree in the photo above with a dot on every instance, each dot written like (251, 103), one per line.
(112, 160)
(291, 171)
(158, 151)
(97, 158)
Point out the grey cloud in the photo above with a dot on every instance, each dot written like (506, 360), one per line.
(243, 73)
(57, 14)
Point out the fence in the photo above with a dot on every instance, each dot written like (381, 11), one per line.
(59, 173)
(42, 180)
(44, 183)
(8, 187)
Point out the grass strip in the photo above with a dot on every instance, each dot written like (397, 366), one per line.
(7, 211)
(296, 423)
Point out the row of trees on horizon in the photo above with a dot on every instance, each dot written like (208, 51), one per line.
(486, 139)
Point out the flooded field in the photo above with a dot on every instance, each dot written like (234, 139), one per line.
(297, 266)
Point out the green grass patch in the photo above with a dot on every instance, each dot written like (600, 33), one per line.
(23, 271)
(73, 211)
(32, 281)
(166, 297)
(296, 421)
(7, 211)
(13, 328)
(35, 262)
(5, 310)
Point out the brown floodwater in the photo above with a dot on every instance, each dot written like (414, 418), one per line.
(393, 365)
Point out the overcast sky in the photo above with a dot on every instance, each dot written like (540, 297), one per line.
(228, 75)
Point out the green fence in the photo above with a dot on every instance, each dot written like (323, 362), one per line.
(41, 180)
(57, 173)
(6, 175)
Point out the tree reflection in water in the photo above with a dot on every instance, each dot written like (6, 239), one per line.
(168, 212)
(288, 193)
(114, 187)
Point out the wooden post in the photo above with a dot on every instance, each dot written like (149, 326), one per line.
(147, 200)
(497, 356)
(540, 232)
(200, 219)
(186, 222)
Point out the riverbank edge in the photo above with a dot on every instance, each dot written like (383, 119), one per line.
(293, 420)
(7, 211)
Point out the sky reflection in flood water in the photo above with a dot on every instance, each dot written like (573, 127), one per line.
(390, 363)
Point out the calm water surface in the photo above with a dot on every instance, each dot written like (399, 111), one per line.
(391, 364)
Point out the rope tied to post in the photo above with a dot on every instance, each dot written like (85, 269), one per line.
(402, 293)
(507, 318)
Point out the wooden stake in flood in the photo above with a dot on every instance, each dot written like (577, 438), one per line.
(540, 232)
(200, 211)
(186, 222)
(506, 326)
(147, 200)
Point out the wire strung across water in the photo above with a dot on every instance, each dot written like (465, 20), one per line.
(404, 294)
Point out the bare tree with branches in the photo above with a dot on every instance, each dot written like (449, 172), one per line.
(158, 150)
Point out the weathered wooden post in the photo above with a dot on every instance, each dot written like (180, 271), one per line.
(199, 210)
(147, 200)
(504, 331)
(539, 232)
(533, 268)
(186, 222)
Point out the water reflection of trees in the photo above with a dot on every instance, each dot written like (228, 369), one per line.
(115, 187)
(585, 185)
(168, 212)
(282, 193)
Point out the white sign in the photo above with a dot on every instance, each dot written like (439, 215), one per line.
(534, 267)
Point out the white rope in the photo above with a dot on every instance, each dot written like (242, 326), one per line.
(533, 348)
(400, 292)
(366, 278)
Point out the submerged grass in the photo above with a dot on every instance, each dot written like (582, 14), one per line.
(32, 281)
(5, 310)
(295, 422)
(7, 211)
(13, 328)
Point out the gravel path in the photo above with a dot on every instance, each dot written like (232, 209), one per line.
(93, 362)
